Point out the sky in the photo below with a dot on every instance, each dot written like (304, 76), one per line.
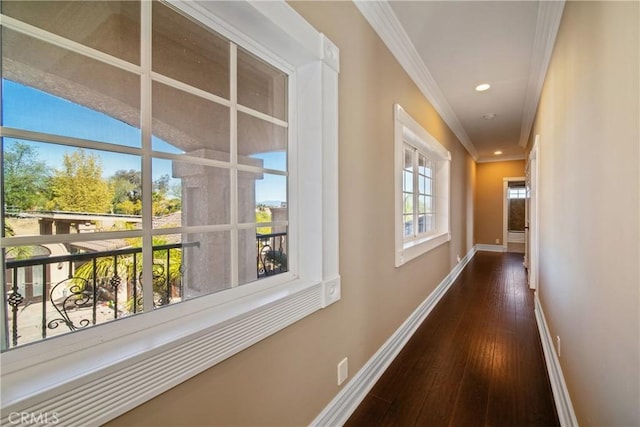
(30, 109)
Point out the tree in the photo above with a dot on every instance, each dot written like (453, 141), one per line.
(127, 192)
(25, 177)
(78, 186)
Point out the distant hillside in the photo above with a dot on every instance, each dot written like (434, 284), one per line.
(272, 203)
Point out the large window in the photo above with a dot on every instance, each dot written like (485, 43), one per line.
(151, 174)
(186, 161)
(422, 189)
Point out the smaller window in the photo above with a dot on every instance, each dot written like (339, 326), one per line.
(517, 193)
(422, 189)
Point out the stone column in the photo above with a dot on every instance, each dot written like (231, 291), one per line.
(206, 201)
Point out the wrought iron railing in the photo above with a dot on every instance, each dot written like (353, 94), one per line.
(272, 254)
(101, 286)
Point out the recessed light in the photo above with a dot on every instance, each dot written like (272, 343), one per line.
(482, 87)
(497, 153)
(489, 116)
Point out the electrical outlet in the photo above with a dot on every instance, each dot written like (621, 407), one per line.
(558, 347)
(343, 370)
(458, 258)
(497, 241)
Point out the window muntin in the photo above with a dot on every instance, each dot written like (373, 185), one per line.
(203, 176)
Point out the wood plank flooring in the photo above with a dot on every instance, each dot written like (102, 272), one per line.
(475, 361)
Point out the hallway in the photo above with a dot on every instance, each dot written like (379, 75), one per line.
(475, 361)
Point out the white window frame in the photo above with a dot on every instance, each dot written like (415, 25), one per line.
(142, 356)
(408, 132)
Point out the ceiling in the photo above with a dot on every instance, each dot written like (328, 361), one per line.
(450, 47)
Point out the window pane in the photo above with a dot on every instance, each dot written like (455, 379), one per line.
(430, 221)
(112, 27)
(189, 194)
(53, 90)
(186, 51)
(408, 203)
(408, 159)
(427, 183)
(56, 189)
(185, 123)
(261, 196)
(73, 286)
(261, 86)
(261, 143)
(206, 263)
(429, 204)
(422, 208)
(261, 254)
(422, 224)
(407, 181)
(408, 225)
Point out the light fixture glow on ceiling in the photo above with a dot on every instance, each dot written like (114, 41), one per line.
(482, 87)
(497, 153)
(488, 116)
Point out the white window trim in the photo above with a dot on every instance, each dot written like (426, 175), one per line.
(139, 357)
(407, 131)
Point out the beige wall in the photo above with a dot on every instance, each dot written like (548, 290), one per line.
(588, 122)
(290, 377)
(489, 198)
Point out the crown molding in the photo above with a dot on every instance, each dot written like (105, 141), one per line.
(385, 23)
(501, 158)
(549, 15)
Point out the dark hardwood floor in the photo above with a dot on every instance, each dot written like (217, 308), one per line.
(475, 361)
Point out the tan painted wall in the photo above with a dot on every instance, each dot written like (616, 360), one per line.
(490, 193)
(588, 122)
(290, 377)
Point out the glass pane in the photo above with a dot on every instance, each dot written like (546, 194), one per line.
(427, 186)
(206, 263)
(261, 255)
(189, 194)
(111, 26)
(421, 185)
(408, 159)
(56, 189)
(430, 221)
(422, 208)
(259, 193)
(407, 178)
(53, 90)
(72, 286)
(185, 50)
(261, 143)
(429, 204)
(422, 224)
(261, 86)
(408, 225)
(408, 203)
(185, 123)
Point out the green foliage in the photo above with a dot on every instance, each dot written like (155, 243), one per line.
(25, 177)
(78, 186)
(263, 215)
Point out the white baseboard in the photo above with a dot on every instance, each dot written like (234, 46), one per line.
(338, 411)
(490, 248)
(561, 396)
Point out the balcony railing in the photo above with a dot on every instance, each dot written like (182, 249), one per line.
(102, 286)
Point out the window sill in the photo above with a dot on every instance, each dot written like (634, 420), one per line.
(414, 249)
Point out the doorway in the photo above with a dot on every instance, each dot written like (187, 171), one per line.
(513, 223)
(531, 212)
